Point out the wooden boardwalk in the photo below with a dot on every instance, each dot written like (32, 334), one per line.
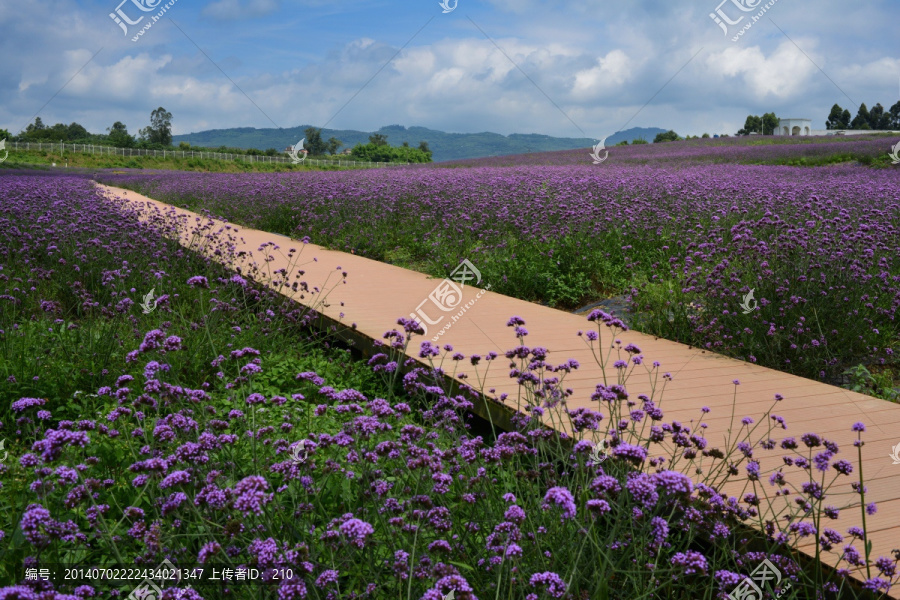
(375, 295)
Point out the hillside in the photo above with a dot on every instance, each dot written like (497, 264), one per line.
(444, 146)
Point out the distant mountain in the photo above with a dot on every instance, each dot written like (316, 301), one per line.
(444, 146)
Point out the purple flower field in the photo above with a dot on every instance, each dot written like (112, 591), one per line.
(687, 243)
(219, 431)
(742, 150)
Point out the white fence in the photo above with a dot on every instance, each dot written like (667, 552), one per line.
(112, 150)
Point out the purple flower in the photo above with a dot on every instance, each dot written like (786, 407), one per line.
(356, 531)
(198, 281)
(172, 343)
(23, 403)
(673, 482)
(54, 441)
(886, 567)
(251, 495)
(860, 427)
(633, 454)
(600, 507)
(554, 584)
(811, 440)
(326, 578)
(753, 470)
(207, 551)
(256, 399)
(692, 562)
(659, 531)
(562, 497)
(821, 459)
(175, 478)
(33, 520)
(727, 580)
(643, 489)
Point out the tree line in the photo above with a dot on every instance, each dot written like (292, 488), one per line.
(158, 136)
(876, 119)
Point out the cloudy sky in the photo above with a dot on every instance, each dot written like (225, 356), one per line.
(556, 67)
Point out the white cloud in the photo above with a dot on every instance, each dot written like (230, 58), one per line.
(610, 72)
(600, 64)
(785, 73)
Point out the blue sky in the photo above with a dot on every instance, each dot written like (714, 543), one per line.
(563, 68)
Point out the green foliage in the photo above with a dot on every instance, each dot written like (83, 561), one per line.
(378, 139)
(639, 140)
(383, 153)
(838, 118)
(159, 132)
(862, 118)
(877, 119)
(668, 136)
(881, 384)
(335, 365)
(119, 136)
(765, 125)
(314, 142)
(333, 145)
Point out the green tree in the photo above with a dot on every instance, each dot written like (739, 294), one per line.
(861, 120)
(895, 116)
(333, 145)
(769, 123)
(38, 125)
(878, 118)
(378, 139)
(118, 135)
(838, 118)
(704, 136)
(669, 136)
(314, 142)
(639, 140)
(59, 132)
(76, 132)
(753, 124)
(4, 134)
(386, 153)
(160, 129)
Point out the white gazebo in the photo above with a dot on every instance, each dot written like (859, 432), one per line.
(794, 127)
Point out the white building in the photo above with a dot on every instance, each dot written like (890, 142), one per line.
(794, 127)
(804, 127)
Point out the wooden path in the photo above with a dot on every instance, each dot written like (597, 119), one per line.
(376, 295)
